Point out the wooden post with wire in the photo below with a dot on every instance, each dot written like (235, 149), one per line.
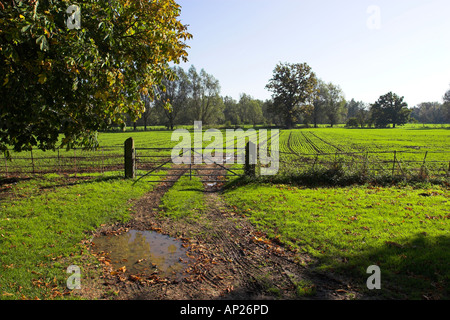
(130, 157)
(250, 159)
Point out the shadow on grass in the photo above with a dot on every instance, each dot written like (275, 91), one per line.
(337, 177)
(191, 189)
(4, 181)
(82, 181)
(417, 268)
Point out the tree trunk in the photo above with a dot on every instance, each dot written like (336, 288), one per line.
(289, 122)
(171, 121)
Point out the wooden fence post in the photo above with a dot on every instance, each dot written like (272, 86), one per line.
(425, 158)
(423, 168)
(103, 160)
(32, 160)
(365, 166)
(250, 159)
(129, 159)
(6, 166)
(316, 158)
(75, 160)
(393, 163)
(59, 163)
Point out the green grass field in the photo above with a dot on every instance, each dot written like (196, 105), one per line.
(402, 228)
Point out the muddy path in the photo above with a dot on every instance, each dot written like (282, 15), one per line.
(229, 258)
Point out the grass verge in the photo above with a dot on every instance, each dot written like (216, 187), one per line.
(43, 224)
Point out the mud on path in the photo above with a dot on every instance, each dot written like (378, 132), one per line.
(230, 259)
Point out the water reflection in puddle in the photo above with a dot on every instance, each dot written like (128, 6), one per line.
(144, 252)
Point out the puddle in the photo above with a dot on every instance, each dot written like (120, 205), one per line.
(144, 252)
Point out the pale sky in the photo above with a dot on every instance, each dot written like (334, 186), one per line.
(404, 49)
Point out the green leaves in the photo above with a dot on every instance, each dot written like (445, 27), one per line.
(25, 28)
(293, 86)
(43, 43)
(96, 72)
(390, 108)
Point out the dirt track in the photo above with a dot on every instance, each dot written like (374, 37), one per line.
(230, 259)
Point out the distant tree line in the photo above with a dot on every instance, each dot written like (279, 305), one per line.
(433, 112)
(298, 98)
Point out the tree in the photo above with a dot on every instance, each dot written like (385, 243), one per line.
(430, 112)
(255, 114)
(447, 97)
(329, 104)
(362, 116)
(250, 110)
(358, 111)
(172, 98)
(354, 107)
(390, 109)
(293, 87)
(352, 123)
(334, 104)
(76, 81)
(446, 106)
(206, 104)
(270, 113)
(148, 105)
(230, 111)
(317, 111)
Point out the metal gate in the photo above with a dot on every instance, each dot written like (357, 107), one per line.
(152, 162)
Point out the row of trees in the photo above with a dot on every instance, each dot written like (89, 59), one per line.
(299, 97)
(194, 96)
(433, 112)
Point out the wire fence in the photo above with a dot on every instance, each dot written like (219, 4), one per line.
(430, 163)
(75, 160)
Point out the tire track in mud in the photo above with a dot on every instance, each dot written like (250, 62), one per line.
(230, 259)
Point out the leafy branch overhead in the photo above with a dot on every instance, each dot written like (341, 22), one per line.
(60, 80)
